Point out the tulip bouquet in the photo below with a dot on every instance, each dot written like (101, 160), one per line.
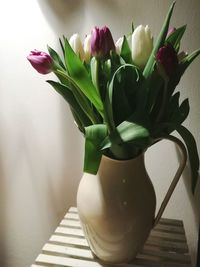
(122, 95)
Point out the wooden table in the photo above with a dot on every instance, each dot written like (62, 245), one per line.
(165, 247)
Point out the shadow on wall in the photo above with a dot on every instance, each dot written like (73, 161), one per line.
(194, 198)
(195, 205)
(61, 13)
(68, 17)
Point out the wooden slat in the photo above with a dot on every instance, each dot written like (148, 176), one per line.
(148, 262)
(73, 209)
(176, 257)
(171, 222)
(68, 251)
(69, 231)
(86, 254)
(168, 236)
(63, 261)
(72, 216)
(169, 228)
(71, 262)
(167, 245)
(70, 223)
(69, 240)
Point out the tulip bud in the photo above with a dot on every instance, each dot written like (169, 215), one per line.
(141, 45)
(40, 61)
(87, 48)
(167, 57)
(170, 31)
(118, 45)
(101, 42)
(76, 44)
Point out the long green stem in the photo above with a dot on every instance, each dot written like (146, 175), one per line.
(106, 118)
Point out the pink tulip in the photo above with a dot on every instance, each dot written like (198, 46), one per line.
(101, 42)
(168, 58)
(40, 61)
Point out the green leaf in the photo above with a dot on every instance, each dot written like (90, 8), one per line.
(188, 60)
(192, 152)
(56, 57)
(69, 97)
(99, 73)
(123, 95)
(130, 131)
(118, 101)
(126, 51)
(159, 42)
(181, 113)
(62, 46)
(94, 135)
(183, 65)
(126, 132)
(172, 106)
(81, 78)
(78, 120)
(80, 97)
(132, 27)
(175, 38)
(155, 92)
(174, 116)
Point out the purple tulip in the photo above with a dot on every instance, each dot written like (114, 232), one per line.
(168, 58)
(101, 42)
(40, 61)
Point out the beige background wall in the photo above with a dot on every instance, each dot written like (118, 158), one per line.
(40, 148)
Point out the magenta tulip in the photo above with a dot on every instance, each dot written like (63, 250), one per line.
(101, 42)
(40, 61)
(168, 58)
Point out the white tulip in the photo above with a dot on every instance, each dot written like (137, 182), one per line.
(87, 48)
(118, 45)
(76, 44)
(141, 45)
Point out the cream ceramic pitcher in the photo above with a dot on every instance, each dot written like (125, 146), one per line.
(117, 206)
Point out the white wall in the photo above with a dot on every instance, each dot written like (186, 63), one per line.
(40, 148)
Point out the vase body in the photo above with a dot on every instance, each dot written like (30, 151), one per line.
(117, 208)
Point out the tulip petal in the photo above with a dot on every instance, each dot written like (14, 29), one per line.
(102, 42)
(142, 45)
(87, 48)
(76, 44)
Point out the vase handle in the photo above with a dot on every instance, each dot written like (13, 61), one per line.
(176, 177)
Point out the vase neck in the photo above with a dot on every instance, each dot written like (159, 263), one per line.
(134, 163)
